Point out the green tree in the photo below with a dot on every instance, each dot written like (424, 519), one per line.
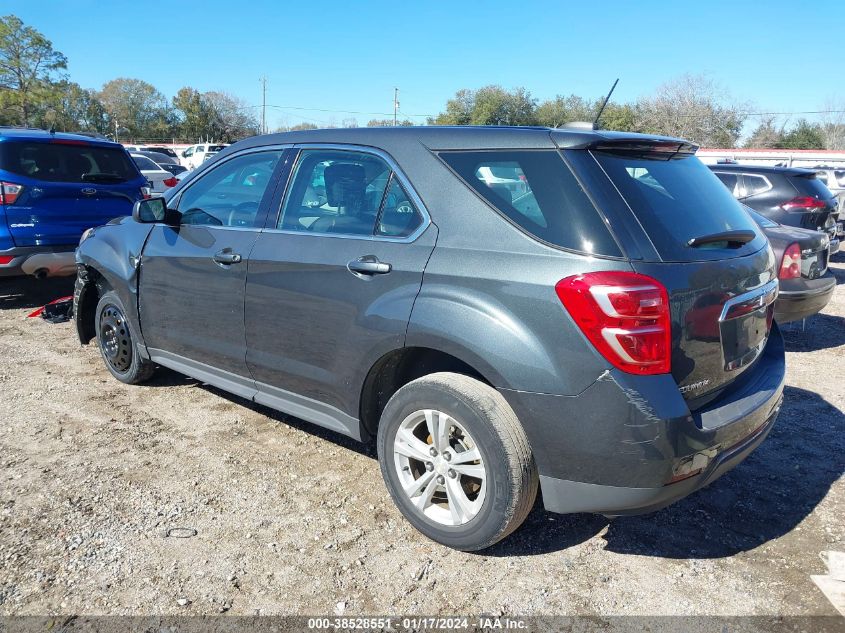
(490, 105)
(560, 110)
(71, 108)
(28, 68)
(804, 135)
(137, 107)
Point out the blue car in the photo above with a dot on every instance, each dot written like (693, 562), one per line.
(53, 187)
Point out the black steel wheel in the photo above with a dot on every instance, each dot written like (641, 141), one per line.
(117, 345)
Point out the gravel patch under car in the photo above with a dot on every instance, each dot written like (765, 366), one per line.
(175, 498)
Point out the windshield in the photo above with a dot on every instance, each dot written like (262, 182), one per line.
(675, 198)
(59, 162)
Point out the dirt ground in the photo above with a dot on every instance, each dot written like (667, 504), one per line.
(290, 519)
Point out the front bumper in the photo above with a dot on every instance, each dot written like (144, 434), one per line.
(40, 261)
(802, 298)
(615, 448)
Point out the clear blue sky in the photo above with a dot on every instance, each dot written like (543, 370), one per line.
(348, 55)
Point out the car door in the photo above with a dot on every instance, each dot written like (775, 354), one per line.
(332, 280)
(191, 295)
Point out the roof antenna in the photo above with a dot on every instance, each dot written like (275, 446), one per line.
(604, 105)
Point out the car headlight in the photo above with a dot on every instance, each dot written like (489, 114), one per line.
(85, 235)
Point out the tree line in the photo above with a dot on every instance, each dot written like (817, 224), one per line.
(35, 91)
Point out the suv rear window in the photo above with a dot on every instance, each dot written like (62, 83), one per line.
(58, 162)
(674, 197)
(535, 190)
(216, 148)
(810, 185)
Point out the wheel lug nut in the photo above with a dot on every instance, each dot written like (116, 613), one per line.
(447, 455)
(452, 474)
(432, 451)
(429, 466)
(440, 479)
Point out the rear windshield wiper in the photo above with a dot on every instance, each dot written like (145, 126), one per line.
(733, 239)
(102, 178)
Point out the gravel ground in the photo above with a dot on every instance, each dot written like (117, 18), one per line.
(290, 519)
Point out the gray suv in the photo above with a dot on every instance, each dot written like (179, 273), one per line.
(496, 308)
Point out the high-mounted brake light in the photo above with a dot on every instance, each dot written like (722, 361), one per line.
(624, 315)
(9, 192)
(802, 203)
(68, 141)
(171, 182)
(790, 267)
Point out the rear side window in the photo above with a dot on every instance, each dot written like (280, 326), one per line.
(535, 190)
(675, 198)
(58, 162)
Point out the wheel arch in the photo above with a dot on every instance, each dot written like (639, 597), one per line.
(397, 368)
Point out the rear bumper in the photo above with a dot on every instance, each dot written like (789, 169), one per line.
(802, 298)
(615, 448)
(41, 261)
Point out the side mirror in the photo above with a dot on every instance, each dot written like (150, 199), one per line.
(150, 210)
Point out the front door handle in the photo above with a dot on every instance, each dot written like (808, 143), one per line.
(368, 265)
(226, 256)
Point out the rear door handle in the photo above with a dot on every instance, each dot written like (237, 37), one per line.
(226, 256)
(368, 265)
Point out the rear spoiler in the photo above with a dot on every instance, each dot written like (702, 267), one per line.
(641, 146)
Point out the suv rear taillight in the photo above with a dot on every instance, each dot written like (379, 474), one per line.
(790, 267)
(9, 192)
(624, 315)
(146, 192)
(803, 203)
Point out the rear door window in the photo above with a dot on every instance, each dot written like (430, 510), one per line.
(755, 184)
(675, 198)
(337, 192)
(536, 191)
(60, 162)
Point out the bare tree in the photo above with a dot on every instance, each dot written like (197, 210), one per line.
(693, 107)
(833, 123)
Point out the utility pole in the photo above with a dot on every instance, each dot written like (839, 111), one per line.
(263, 81)
(395, 104)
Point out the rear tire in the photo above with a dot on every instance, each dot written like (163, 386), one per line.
(456, 460)
(117, 342)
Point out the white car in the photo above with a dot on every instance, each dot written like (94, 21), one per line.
(160, 179)
(195, 155)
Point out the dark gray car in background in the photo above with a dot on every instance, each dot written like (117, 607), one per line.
(498, 308)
